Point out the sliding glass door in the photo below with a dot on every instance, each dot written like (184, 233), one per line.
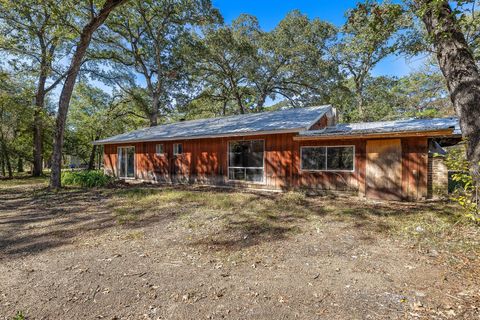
(126, 162)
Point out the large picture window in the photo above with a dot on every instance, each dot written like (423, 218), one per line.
(327, 158)
(245, 160)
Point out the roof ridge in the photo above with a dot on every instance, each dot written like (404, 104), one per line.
(295, 119)
(238, 115)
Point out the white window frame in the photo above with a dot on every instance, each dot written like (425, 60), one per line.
(156, 149)
(245, 173)
(134, 163)
(326, 158)
(175, 149)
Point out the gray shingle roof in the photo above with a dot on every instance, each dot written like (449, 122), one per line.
(274, 121)
(387, 127)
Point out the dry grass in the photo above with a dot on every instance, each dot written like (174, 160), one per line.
(261, 255)
(427, 226)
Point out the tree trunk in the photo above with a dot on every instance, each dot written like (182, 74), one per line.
(45, 68)
(153, 114)
(359, 98)
(6, 159)
(153, 117)
(2, 162)
(261, 102)
(37, 128)
(240, 103)
(91, 161)
(99, 158)
(20, 164)
(460, 71)
(224, 108)
(9, 165)
(66, 94)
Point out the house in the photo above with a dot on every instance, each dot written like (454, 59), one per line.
(286, 149)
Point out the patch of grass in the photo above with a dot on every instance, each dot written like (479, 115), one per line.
(19, 316)
(124, 215)
(136, 235)
(86, 179)
(433, 228)
(136, 192)
(266, 216)
(23, 180)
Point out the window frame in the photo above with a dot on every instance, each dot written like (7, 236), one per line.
(326, 158)
(175, 145)
(163, 149)
(263, 163)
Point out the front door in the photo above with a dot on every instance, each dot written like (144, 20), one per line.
(126, 162)
(384, 169)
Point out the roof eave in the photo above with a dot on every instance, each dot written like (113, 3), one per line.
(395, 134)
(236, 134)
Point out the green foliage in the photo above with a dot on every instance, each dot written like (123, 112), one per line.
(95, 114)
(239, 66)
(467, 193)
(86, 179)
(15, 120)
(19, 316)
(141, 44)
(372, 32)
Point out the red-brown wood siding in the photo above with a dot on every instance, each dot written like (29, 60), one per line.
(320, 124)
(415, 168)
(206, 161)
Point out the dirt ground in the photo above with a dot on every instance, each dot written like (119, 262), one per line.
(141, 252)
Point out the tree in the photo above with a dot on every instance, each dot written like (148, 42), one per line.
(95, 114)
(15, 119)
(459, 69)
(141, 46)
(292, 62)
(218, 62)
(371, 33)
(423, 94)
(95, 20)
(242, 65)
(380, 100)
(35, 42)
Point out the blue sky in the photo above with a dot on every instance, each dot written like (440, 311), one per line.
(270, 12)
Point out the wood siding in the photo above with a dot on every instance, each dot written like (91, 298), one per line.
(205, 161)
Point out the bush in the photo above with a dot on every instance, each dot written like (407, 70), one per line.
(466, 192)
(86, 179)
(19, 316)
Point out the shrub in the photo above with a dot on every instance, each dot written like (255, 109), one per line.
(86, 179)
(19, 316)
(466, 192)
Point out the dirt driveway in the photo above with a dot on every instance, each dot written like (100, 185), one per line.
(189, 253)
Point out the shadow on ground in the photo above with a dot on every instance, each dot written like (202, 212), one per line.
(34, 219)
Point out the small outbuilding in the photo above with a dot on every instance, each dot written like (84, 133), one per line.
(302, 148)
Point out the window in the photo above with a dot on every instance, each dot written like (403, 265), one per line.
(314, 158)
(338, 158)
(245, 160)
(159, 149)
(177, 149)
